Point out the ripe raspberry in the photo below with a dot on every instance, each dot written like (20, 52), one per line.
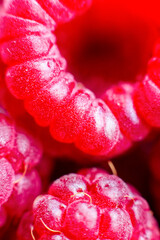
(91, 205)
(17, 146)
(20, 183)
(50, 146)
(72, 112)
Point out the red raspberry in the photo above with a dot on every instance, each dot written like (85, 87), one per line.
(90, 205)
(50, 146)
(19, 181)
(52, 95)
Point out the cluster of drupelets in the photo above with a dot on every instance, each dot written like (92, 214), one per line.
(91, 204)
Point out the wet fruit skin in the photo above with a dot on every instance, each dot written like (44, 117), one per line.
(91, 204)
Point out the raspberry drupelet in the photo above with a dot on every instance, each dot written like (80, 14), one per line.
(91, 204)
(36, 73)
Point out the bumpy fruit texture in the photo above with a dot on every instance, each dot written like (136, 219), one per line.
(17, 146)
(147, 93)
(48, 12)
(20, 183)
(120, 100)
(36, 73)
(50, 146)
(147, 96)
(90, 205)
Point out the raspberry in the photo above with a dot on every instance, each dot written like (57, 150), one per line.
(91, 205)
(36, 73)
(46, 101)
(50, 146)
(20, 183)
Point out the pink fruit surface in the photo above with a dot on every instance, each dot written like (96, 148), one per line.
(49, 49)
(36, 74)
(7, 134)
(91, 204)
(20, 183)
(24, 193)
(6, 180)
